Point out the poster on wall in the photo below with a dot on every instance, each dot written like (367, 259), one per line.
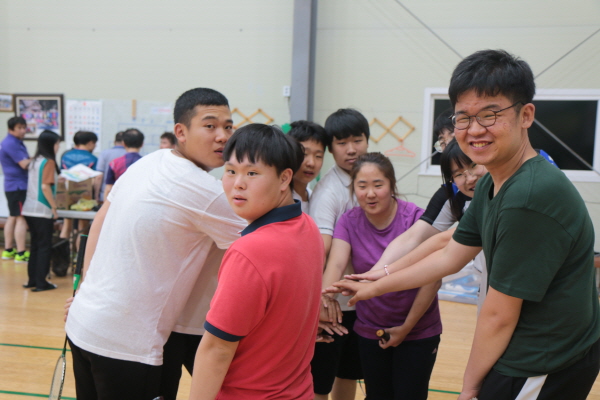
(6, 102)
(83, 115)
(41, 112)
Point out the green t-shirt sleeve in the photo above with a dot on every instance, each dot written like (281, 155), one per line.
(530, 248)
(467, 233)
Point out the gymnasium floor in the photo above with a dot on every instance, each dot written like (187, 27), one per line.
(32, 335)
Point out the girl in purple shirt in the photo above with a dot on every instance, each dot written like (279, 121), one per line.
(398, 368)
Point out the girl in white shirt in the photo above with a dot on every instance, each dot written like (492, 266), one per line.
(39, 210)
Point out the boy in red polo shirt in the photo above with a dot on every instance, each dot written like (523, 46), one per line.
(262, 323)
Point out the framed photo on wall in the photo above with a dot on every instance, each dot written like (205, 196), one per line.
(6, 102)
(41, 111)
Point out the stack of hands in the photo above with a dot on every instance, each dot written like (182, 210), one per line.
(359, 287)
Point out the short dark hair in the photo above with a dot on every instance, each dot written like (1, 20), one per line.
(170, 137)
(14, 121)
(306, 130)
(344, 123)
(185, 105)
(443, 121)
(119, 137)
(84, 137)
(133, 138)
(380, 161)
(493, 73)
(267, 144)
(453, 153)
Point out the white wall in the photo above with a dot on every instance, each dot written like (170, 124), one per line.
(148, 50)
(371, 55)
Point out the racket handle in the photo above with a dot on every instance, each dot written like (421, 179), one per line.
(79, 264)
(383, 334)
(76, 279)
(81, 254)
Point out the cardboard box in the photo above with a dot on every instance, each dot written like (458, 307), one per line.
(69, 192)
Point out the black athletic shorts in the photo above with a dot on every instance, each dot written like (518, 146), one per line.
(571, 383)
(338, 359)
(15, 202)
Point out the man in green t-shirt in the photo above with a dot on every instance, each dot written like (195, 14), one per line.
(537, 333)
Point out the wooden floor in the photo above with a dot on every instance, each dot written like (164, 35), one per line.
(32, 334)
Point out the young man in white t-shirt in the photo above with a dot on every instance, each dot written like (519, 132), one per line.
(147, 246)
(348, 135)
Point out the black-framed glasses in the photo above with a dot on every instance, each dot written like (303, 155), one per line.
(484, 118)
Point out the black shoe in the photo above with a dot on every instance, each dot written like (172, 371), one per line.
(28, 285)
(49, 286)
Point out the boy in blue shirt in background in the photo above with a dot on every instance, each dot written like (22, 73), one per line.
(81, 153)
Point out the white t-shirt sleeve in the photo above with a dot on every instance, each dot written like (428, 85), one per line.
(221, 223)
(445, 219)
(325, 209)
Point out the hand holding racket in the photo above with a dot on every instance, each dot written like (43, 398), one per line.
(392, 337)
(58, 379)
(383, 335)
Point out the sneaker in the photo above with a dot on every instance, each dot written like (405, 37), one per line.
(49, 286)
(9, 255)
(22, 259)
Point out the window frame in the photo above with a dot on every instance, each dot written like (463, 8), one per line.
(433, 94)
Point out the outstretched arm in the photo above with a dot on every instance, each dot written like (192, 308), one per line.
(406, 242)
(434, 243)
(327, 239)
(336, 264)
(441, 263)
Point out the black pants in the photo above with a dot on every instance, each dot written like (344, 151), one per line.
(180, 350)
(571, 383)
(103, 378)
(40, 230)
(398, 373)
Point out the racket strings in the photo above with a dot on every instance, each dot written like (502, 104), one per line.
(58, 379)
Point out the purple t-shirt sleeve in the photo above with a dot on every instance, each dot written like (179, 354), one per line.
(18, 153)
(110, 176)
(341, 228)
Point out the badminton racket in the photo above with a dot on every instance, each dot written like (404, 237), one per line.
(58, 379)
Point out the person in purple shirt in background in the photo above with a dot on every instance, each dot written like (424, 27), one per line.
(104, 160)
(133, 140)
(15, 160)
(400, 365)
